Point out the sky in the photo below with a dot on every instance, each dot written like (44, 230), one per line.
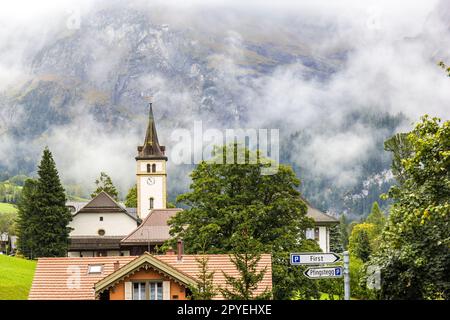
(393, 48)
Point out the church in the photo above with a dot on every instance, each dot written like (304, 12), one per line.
(104, 227)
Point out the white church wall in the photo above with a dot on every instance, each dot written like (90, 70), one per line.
(114, 224)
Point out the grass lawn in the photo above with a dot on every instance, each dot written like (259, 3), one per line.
(7, 208)
(16, 275)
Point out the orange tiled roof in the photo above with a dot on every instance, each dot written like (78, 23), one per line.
(68, 278)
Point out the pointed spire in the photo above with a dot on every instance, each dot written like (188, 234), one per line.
(151, 148)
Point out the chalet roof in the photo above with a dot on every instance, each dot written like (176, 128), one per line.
(318, 216)
(153, 229)
(51, 278)
(151, 148)
(102, 203)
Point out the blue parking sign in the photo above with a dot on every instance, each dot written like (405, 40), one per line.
(295, 258)
(337, 271)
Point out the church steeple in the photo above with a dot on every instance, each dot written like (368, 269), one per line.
(151, 148)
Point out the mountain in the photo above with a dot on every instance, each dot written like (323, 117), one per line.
(204, 66)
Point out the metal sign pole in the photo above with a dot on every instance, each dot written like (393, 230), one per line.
(346, 276)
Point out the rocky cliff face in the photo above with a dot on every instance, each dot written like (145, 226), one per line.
(198, 69)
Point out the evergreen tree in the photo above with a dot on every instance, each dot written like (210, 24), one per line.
(245, 258)
(131, 198)
(104, 183)
(205, 289)
(336, 244)
(27, 217)
(377, 218)
(361, 246)
(43, 215)
(343, 231)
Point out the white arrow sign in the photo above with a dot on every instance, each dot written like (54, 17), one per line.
(325, 272)
(314, 258)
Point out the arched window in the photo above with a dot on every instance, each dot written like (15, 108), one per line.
(148, 167)
(151, 203)
(153, 167)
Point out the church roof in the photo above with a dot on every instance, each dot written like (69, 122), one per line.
(102, 203)
(151, 148)
(153, 229)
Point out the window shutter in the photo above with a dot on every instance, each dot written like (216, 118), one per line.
(128, 291)
(166, 290)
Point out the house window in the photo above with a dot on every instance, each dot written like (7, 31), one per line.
(156, 290)
(139, 291)
(153, 167)
(151, 203)
(310, 234)
(147, 290)
(316, 234)
(101, 218)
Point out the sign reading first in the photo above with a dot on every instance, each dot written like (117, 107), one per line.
(314, 258)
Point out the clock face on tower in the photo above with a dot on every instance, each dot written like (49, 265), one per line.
(150, 181)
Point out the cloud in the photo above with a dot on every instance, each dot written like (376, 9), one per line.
(378, 56)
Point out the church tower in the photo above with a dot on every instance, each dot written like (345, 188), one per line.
(151, 171)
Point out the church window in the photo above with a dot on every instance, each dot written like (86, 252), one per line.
(151, 203)
(148, 167)
(153, 167)
(101, 232)
(101, 218)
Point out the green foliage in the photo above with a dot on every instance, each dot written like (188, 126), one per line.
(445, 67)
(205, 289)
(225, 197)
(43, 217)
(360, 243)
(414, 254)
(7, 222)
(131, 198)
(343, 231)
(104, 183)
(245, 257)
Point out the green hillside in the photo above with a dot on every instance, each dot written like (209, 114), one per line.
(7, 208)
(16, 276)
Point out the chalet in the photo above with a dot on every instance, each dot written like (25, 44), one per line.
(144, 277)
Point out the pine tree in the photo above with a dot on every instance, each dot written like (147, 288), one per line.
(362, 248)
(245, 258)
(376, 217)
(131, 198)
(205, 289)
(343, 231)
(43, 215)
(27, 217)
(104, 183)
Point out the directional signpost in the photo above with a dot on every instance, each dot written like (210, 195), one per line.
(321, 272)
(325, 272)
(314, 258)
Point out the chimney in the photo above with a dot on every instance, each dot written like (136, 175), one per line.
(116, 265)
(179, 250)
